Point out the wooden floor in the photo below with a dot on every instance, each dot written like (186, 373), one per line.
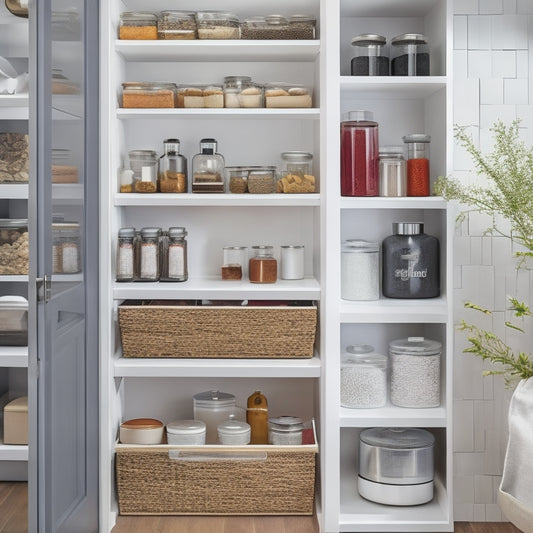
(13, 507)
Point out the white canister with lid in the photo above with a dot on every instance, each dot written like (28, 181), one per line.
(360, 270)
(234, 432)
(213, 407)
(285, 431)
(186, 432)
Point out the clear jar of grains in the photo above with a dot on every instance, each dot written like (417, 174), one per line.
(174, 255)
(125, 247)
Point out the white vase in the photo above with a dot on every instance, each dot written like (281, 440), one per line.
(515, 495)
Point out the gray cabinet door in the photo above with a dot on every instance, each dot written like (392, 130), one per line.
(63, 212)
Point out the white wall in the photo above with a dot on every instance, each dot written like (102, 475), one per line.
(493, 79)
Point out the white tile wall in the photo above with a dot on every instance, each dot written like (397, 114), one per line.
(493, 63)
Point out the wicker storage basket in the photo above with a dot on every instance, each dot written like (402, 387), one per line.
(216, 480)
(283, 332)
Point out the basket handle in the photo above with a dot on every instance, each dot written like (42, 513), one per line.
(181, 455)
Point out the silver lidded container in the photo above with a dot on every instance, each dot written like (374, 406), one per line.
(396, 465)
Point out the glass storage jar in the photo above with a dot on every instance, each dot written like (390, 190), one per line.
(186, 433)
(174, 255)
(147, 256)
(371, 58)
(360, 270)
(176, 25)
(14, 247)
(240, 91)
(292, 262)
(125, 252)
(285, 431)
(261, 180)
(235, 262)
(144, 166)
(154, 95)
(263, 267)
(208, 169)
(14, 158)
(217, 25)
(297, 162)
(237, 178)
(417, 164)
(190, 96)
(213, 407)
(392, 171)
(297, 177)
(415, 372)
(283, 95)
(140, 25)
(66, 241)
(172, 168)
(278, 27)
(234, 432)
(363, 377)
(410, 55)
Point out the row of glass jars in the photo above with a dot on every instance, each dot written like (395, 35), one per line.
(186, 25)
(152, 254)
(414, 374)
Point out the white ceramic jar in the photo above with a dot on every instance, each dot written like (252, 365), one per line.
(186, 432)
(234, 432)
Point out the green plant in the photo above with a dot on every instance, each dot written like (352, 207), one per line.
(508, 193)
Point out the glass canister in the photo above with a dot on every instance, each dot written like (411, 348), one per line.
(417, 164)
(285, 431)
(14, 247)
(217, 25)
(213, 407)
(415, 372)
(176, 25)
(233, 86)
(297, 177)
(172, 168)
(410, 262)
(263, 267)
(297, 162)
(292, 262)
(125, 251)
(235, 263)
(186, 433)
(153, 95)
(148, 254)
(410, 55)
(392, 171)
(359, 155)
(174, 255)
(360, 270)
(237, 179)
(363, 377)
(140, 25)
(144, 166)
(233, 432)
(208, 169)
(261, 180)
(66, 257)
(371, 58)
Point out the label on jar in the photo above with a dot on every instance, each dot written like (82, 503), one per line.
(407, 273)
(176, 261)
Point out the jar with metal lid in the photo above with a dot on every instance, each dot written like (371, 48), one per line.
(233, 85)
(371, 57)
(174, 255)
(417, 164)
(14, 247)
(140, 25)
(392, 171)
(235, 263)
(66, 246)
(410, 55)
(297, 176)
(279, 27)
(363, 377)
(263, 266)
(234, 432)
(297, 162)
(147, 256)
(237, 178)
(213, 407)
(176, 25)
(217, 25)
(360, 270)
(261, 180)
(415, 372)
(144, 165)
(285, 431)
(186, 433)
(125, 252)
(172, 168)
(396, 465)
(153, 95)
(292, 262)
(208, 169)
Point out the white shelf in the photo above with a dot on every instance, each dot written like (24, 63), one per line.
(377, 202)
(253, 114)
(14, 106)
(229, 200)
(13, 191)
(392, 311)
(17, 278)
(390, 415)
(13, 452)
(221, 50)
(60, 191)
(64, 193)
(216, 289)
(385, 8)
(193, 368)
(391, 87)
(13, 356)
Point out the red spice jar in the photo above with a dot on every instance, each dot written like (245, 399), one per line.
(417, 164)
(263, 267)
(359, 155)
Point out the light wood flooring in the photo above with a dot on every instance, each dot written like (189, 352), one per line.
(13, 507)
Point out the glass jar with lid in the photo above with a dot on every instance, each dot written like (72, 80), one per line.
(417, 164)
(279, 27)
(172, 168)
(363, 377)
(263, 266)
(213, 407)
(147, 256)
(176, 25)
(153, 95)
(217, 25)
(14, 246)
(297, 176)
(410, 55)
(233, 85)
(282, 95)
(285, 431)
(392, 171)
(125, 252)
(371, 58)
(174, 255)
(186, 432)
(297, 162)
(360, 270)
(208, 169)
(140, 25)
(144, 164)
(235, 262)
(261, 180)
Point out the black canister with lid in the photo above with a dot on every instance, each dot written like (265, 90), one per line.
(410, 262)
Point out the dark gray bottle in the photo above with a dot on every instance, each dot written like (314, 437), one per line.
(410, 262)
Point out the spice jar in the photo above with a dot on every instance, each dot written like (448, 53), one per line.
(154, 95)
(371, 57)
(144, 166)
(213, 407)
(148, 254)
(172, 168)
(292, 262)
(410, 262)
(392, 171)
(186, 433)
(235, 263)
(410, 55)
(176, 25)
(174, 255)
(285, 431)
(208, 169)
(297, 176)
(417, 164)
(138, 26)
(233, 432)
(359, 155)
(66, 247)
(263, 267)
(217, 25)
(360, 270)
(415, 372)
(363, 377)
(125, 248)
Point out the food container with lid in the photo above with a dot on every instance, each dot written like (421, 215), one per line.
(415, 372)
(392, 171)
(172, 168)
(292, 261)
(360, 270)
(417, 164)
(261, 180)
(140, 25)
(217, 25)
(144, 164)
(263, 266)
(240, 91)
(66, 248)
(208, 169)
(363, 377)
(125, 264)
(237, 178)
(13, 321)
(141, 431)
(371, 57)
(285, 431)
(147, 256)
(410, 55)
(297, 176)
(14, 247)
(235, 263)
(176, 25)
(396, 465)
(186, 432)
(200, 96)
(14, 158)
(234, 432)
(173, 259)
(279, 27)
(286, 95)
(154, 95)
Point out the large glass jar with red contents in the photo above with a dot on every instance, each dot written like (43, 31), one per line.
(359, 155)
(417, 164)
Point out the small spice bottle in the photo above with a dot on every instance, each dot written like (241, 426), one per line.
(263, 267)
(139, 25)
(235, 262)
(257, 417)
(360, 270)
(172, 168)
(144, 166)
(371, 57)
(292, 262)
(148, 254)
(125, 248)
(174, 255)
(392, 171)
(417, 164)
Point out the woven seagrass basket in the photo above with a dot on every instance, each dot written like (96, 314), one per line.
(217, 331)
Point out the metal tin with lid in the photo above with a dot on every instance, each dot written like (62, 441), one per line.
(186, 432)
(410, 55)
(285, 430)
(371, 56)
(392, 171)
(234, 432)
